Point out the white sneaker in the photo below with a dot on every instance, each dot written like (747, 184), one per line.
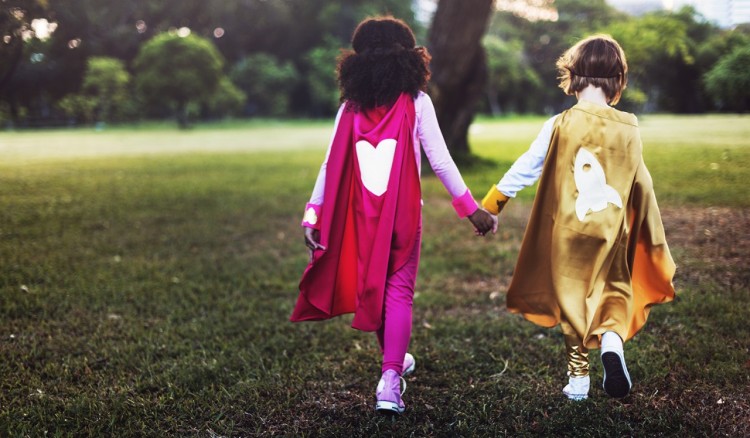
(409, 364)
(577, 388)
(616, 377)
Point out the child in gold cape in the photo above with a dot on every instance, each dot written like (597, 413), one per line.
(594, 256)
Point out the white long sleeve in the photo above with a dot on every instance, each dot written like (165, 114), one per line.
(319, 189)
(435, 149)
(526, 170)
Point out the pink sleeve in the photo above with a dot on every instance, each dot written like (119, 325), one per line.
(433, 143)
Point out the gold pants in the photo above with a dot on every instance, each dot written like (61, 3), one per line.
(576, 352)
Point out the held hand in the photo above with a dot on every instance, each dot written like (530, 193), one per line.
(483, 222)
(312, 240)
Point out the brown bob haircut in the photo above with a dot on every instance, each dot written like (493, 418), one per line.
(597, 60)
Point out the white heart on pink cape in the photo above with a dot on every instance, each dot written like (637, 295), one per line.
(375, 164)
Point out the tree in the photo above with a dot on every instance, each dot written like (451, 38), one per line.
(320, 77)
(267, 82)
(178, 71)
(511, 78)
(15, 26)
(660, 49)
(16, 17)
(296, 32)
(729, 80)
(104, 94)
(79, 107)
(107, 81)
(459, 67)
(228, 100)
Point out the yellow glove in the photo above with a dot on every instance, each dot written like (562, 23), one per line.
(494, 201)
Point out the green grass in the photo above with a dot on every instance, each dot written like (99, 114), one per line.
(693, 159)
(158, 138)
(149, 294)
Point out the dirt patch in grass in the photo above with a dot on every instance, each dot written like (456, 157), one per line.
(715, 237)
(708, 244)
(710, 241)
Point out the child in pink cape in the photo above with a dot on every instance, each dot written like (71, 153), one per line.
(594, 257)
(363, 223)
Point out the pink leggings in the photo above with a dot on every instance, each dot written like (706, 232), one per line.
(395, 332)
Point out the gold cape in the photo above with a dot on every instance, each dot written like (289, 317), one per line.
(603, 272)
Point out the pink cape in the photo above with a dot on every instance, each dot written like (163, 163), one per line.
(367, 237)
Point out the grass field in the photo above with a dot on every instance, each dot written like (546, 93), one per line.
(147, 276)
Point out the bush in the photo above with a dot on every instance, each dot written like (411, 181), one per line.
(106, 80)
(78, 107)
(228, 100)
(729, 80)
(104, 95)
(321, 76)
(267, 82)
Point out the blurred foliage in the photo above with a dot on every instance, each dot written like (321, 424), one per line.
(510, 75)
(177, 71)
(267, 83)
(227, 100)
(650, 42)
(107, 79)
(729, 80)
(668, 54)
(79, 107)
(104, 96)
(297, 33)
(320, 64)
(15, 21)
(544, 41)
(282, 55)
(661, 50)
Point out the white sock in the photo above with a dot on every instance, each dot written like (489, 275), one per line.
(611, 342)
(577, 388)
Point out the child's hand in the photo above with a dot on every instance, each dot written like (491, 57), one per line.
(483, 222)
(312, 240)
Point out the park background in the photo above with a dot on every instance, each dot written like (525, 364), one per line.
(154, 162)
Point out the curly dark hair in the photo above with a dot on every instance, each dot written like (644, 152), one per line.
(385, 62)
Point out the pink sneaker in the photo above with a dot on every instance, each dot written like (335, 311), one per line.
(409, 364)
(389, 393)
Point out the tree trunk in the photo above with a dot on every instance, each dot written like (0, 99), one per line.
(11, 60)
(494, 102)
(183, 118)
(459, 67)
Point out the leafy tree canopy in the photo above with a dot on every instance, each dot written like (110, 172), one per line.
(729, 80)
(16, 17)
(178, 70)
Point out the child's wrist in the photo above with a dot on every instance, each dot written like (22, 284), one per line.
(494, 200)
(312, 216)
(465, 205)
